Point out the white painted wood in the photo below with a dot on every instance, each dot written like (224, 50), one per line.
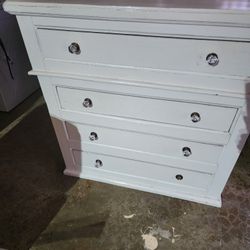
(144, 156)
(142, 64)
(30, 40)
(147, 109)
(143, 170)
(144, 52)
(140, 146)
(194, 82)
(143, 89)
(228, 91)
(231, 152)
(205, 30)
(153, 186)
(58, 123)
(168, 130)
(190, 4)
(227, 13)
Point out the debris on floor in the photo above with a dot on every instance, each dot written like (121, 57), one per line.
(129, 216)
(157, 231)
(152, 234)
(150, 242)
(174, 235)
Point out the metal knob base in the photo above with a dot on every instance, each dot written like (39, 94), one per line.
(87, 103)
(212, 59)
(179, 177)
(74, 48)
(195, 117)
(98, 163)
(93, 136)
(186, 151)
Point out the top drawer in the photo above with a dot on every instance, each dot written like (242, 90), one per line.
(159, 53)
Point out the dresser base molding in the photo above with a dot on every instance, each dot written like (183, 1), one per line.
(216, 202)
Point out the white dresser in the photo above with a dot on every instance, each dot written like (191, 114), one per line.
(151, 95)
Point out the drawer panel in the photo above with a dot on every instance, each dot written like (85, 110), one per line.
(158, 53)
(105, 163)
(140, 142)
(147, 109)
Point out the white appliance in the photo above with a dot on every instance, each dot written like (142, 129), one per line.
(15, 84)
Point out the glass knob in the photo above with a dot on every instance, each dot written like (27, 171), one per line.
(98, 163)
(179, 177)
(93, 136)
(186, 151)
(195, 117)
(74, 48)
(87, 103)
(212, 59)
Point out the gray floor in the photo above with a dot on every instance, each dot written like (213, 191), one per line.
(40, 208)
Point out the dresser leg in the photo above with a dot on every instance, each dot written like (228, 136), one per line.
(59, 126)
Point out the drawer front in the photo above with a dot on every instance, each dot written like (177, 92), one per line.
(186, 55)
(147, 109)
(139, 142)
(144, 170)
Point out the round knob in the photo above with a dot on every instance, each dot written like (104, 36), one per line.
(87, 103)
(93, 136)
(186, 151)
(74, 48)
(195, 117)
(98, 163)
(212, 59)
(179, 177)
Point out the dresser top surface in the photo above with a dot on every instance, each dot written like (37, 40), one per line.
(172, 4)
(219, 12)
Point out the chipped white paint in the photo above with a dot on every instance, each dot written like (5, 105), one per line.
(150, 241)
(164, 233)
(152, 234)
(174, 236)
(129, 216)
(157, 231)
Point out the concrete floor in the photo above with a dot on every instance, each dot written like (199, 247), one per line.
(40, 208)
